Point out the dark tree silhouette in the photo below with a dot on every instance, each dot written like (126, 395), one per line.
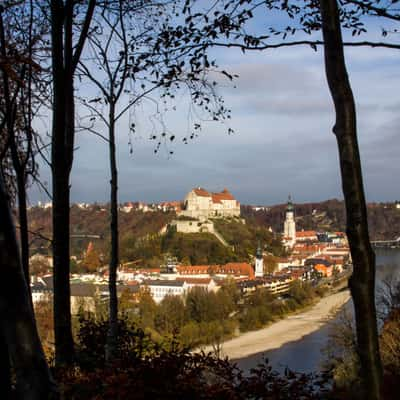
(19, 341)
(362, 282)
(18, 39)
(64, 16)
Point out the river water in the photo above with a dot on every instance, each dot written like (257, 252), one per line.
(305, 354)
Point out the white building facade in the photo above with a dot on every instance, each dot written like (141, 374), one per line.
(201, 204)
(161, 288)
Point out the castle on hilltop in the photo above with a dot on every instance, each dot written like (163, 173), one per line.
(201, 204)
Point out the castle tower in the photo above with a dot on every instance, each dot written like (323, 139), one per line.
(259, 265)
(289, 226)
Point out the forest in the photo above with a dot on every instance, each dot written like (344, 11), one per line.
(58, 57)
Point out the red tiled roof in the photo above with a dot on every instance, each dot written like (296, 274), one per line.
(224, 195)
(201, 192)
(237, 268)
(337, 249)
(298, 273)
(300, 234)
(321, 267)
(193, 281)
(170, 203)
(216, 197)
(229, 268)
(132, 283)
(149, 270)
(193, 269)
(332, 259)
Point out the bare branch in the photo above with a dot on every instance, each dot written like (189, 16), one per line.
(83, 34)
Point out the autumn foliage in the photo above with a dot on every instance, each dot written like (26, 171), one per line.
(145, 370)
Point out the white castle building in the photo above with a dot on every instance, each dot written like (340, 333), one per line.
(289, 226)
(201, 204)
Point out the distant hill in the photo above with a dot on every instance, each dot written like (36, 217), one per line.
(140, 239)
(383, 218)
(95, 220)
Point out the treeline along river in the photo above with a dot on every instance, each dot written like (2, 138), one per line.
(305, 355)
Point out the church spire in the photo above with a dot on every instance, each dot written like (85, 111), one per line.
(290, 206)
(259, 263)
(289, 226)
(259, 251)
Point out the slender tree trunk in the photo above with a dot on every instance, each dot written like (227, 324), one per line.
(65, 57)
(23, 226)
(62, 149)
(64, 345)
(362, 282)
(114, 256)
(17, 323)
(18, 164)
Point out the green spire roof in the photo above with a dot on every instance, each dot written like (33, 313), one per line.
(259, 251)
(290, 206)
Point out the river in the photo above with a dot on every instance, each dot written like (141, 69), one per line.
(305, 354)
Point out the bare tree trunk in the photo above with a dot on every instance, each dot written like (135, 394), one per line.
(62, 305)
(17, 323)
(23, 226)
(65, 57)
(112, 335)
(61, 166)
(11, 116)
(18, 164)
(362, 282)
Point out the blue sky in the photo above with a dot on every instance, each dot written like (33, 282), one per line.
(282, 115)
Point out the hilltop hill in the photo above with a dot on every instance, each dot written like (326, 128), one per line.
(141, 241)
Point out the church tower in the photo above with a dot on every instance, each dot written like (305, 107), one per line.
(259, 265)
(289, 226)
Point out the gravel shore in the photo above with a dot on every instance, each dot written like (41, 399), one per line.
(292, 328)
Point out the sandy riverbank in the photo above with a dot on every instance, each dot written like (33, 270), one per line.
(292, 328)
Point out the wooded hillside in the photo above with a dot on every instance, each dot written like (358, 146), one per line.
(383, 218)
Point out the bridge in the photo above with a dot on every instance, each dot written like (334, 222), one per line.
(386, 243)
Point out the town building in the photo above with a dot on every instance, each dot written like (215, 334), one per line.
(41, 288)
(274, 284)
(306, 236)
(208, 284)
(283, 263)
(160, 288)
(236, 270)
(323, 270)
(279, 284)
(201, 204)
